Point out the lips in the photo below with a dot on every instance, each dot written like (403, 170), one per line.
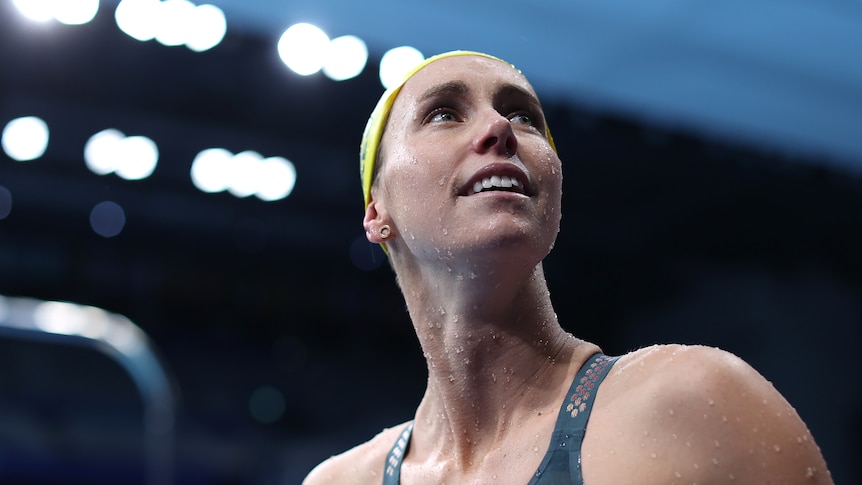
(497, 177)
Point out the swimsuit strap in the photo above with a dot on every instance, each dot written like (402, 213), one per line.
(392, 473)
(562, 462)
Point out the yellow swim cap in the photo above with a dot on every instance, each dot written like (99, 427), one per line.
(377, 121)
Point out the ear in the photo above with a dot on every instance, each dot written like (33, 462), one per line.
(375, 218)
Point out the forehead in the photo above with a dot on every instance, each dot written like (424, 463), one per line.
(478, 73)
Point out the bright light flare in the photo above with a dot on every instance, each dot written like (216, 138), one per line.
(244, 174)
(69, 12)
(396, 63)
(35, 10)
(110, 151)
(25, 138)
(303, 48)
(75, 12)
(172, 23)
(346, 58)
(175, 17)
(138, 18)
(209, 26)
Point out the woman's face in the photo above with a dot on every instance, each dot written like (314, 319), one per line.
(465, 163)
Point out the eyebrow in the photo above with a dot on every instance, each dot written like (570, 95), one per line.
(507, 90)
(460, 88)
(446, 89)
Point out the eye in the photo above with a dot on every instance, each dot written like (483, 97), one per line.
(441, 115)
(522, 119)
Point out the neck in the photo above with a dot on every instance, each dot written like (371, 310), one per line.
(486, 344)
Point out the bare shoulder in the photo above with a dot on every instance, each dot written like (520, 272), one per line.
(363, 464)
(697, 413)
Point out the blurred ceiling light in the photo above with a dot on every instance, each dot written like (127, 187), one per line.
(346, 58)
(69, 12)
(172, 23)
(244, 174)
(36, 10)
(25, 138)
(75, 12)
(110, 151)
(175, 17)
(396, 62)
(208, 28)
(137, 18)
(303, 47)
(107, 219)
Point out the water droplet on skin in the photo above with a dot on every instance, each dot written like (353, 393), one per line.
(670, 412)
(776, 448)
(810, 471)
(731, 477)
(652, 455)
(677, 474)
(715, 461)
(711, 402)
(717, 444)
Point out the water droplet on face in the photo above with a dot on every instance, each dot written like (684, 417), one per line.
(670, 412)
(776, 448)
(652, 455)
(810, 471)
(711, 402)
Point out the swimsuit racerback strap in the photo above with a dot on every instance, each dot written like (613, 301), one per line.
(392, 472)
(562, 462)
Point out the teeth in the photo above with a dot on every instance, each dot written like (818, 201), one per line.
(495, 181)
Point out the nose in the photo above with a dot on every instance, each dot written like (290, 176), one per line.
(496, 135)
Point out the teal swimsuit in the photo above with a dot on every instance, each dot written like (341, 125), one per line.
(562, 462)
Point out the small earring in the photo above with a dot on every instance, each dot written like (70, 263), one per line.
(384, 231)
